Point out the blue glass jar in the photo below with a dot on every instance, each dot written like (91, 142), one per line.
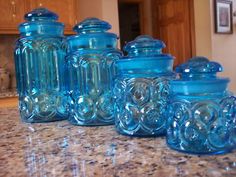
(40, 66)
(141, 88)
(90, 60)
(201, 112)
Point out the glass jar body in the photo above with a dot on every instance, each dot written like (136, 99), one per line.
(202, 124)
(41, 85)
(140, 104)
(91, 73)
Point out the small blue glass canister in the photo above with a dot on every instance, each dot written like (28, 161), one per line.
(141, 88)
(40, 66)
(201, 112)
(90, 60)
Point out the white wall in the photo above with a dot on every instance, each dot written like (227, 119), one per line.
(89, 8)
(110, 14)
(218, 47)
(224, 50)
(103, 9)
(203, 31)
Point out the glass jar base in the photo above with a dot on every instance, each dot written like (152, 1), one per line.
(38, 119)
(94, 122)
(140, 133)
(215, 152)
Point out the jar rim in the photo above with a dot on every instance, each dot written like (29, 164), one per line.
(160, 64)
(37, 25)
(199, 86)
(100, 34)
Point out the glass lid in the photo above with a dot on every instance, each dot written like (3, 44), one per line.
(91, 25)
(92, 33)
(144, 45)
(145, 53)
(41, 14)
(199, 75)
(41, 21)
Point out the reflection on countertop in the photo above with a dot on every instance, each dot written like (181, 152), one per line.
(8, 94)
(61, 149)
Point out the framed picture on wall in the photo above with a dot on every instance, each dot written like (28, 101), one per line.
(223, 16)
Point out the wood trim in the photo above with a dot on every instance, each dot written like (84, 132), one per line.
(8, 102)
(76, 7)
(155, 27)
(9, 31)
(142, 17)
(192, 27)
(131, 1)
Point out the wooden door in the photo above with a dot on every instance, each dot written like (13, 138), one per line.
(173, 23)
(65, 9)
(11, 15)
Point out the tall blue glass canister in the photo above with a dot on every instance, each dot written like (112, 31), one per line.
(40, 66)
(201, 112)
(141, 88)
(90, 60)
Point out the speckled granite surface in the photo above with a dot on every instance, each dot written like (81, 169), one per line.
(60, 149)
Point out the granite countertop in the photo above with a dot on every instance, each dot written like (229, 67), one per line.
(61, 149)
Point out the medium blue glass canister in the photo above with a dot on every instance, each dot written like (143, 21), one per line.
(91, 56)
(40, 66)
(141, 88)
(201, 112)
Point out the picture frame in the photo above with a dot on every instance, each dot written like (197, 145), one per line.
(223, 16)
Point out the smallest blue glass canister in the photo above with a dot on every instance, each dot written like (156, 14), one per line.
(141, 88)
(201, 112)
